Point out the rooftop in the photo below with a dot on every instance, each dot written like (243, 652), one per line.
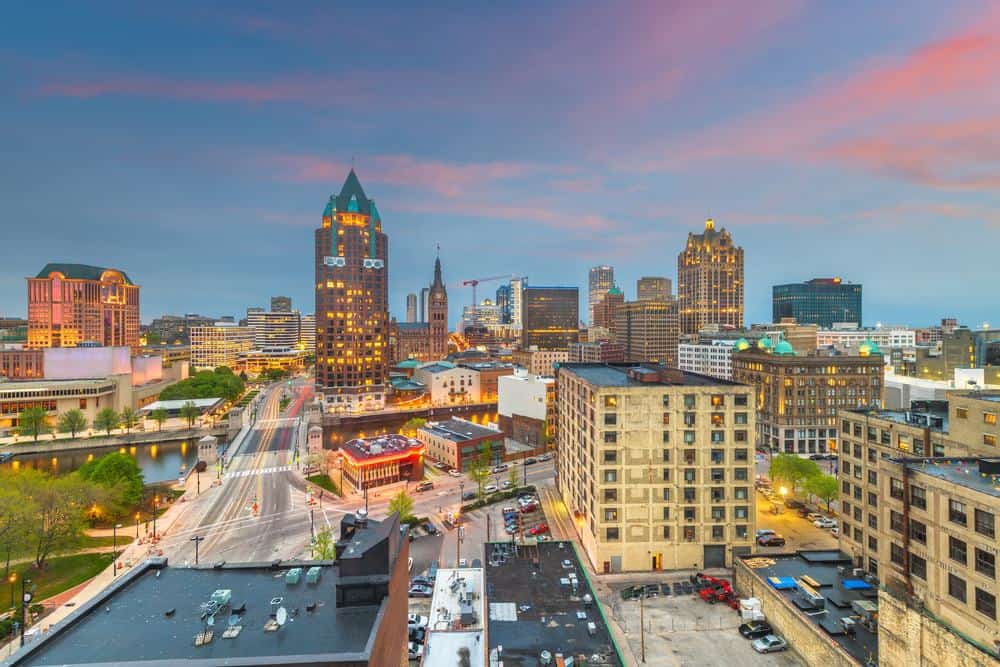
(458, 430)
(437, 367)
(200, 403)
(382, 446)
(412, 326)
(828, 568)
(540, 600)
(978, 474)
(154, 612)
(628, 375)
(932, 415)
(79, 271)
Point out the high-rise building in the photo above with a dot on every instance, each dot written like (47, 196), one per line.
(648, 331)
(654, 288)
(176, 329)
(307, 334)
(424, 293)
(281, 304)
(606, 309)
(601, 279)
(411, 308)
(797, 396)
(820, 301)
(714, 358)
(517, 286)
(551, 317)
(710, 280)
(76, 304)
(220, 344)
(503, 303)
(352, 306)
(437, 314)
(274, 329)
(656, 465)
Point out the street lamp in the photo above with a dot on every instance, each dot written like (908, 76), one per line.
(26, 597)
(197, 539)
(136, 525)
(156, 502)
(114, 549)
(12, 579)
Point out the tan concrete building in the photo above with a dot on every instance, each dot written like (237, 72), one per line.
(648, 331)
(797, 397)
(655, 465)
(539, 362)
(219, 345)
(710, 280)
(975, 420)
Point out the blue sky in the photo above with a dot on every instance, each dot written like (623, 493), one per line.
(195, 147)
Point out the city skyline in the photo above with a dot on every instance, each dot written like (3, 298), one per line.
(777, 150)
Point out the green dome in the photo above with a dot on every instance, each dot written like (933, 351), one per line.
(784, 348)
(764, 343)
(615, 291)
(868, 348)
(741, 344)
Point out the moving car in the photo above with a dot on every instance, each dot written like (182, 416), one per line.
(814, 516)
(771, 540)
(454, 473)
(792, 504)
(426, 485)
(769, 644)
(469, 495)
(501, 467)
(530, 460)
(429, 527)
(755, 629)
(490, 488)
(824, 522)
(761, 532)
(835, 531)
(506, 485)
(545, 457)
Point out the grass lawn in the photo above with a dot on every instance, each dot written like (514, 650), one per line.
(61, 573)
(324, 482)
(124, 539)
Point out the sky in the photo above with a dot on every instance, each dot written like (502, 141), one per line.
(194, 145)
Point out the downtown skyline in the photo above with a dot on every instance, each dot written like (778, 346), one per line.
(549, 153)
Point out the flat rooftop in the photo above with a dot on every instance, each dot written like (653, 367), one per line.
(458, 430)
(363, 449)
(825, 568)
(618, 375)
(154, 613)
(965, 472)
(935, 419)
(534, 605)
(457, 617)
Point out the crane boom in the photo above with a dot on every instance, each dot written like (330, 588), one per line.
(473, 282)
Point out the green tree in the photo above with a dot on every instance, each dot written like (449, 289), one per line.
(33, 421)
(129, 418)
(107, 420)
(159, 415)
(217, 383)
(72, 422)
(411, 425)
(16, 513)
(403, 504)
(120, 476)
(823, 487)
(480, 468)
(60, 510)
(792, 470)
(190, 412)
(323, 546)
(513, 475)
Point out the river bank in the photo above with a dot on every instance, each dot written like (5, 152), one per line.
(112, 442)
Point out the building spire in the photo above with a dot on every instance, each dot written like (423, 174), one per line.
(437, 269)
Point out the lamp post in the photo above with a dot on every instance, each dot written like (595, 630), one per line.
(197, 539)
(26, 597)
(197, 471)
(136, 525)
(156, 502)
(312, 525)
(114, 549)
(12, 579)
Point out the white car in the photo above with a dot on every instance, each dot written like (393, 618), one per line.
(764, 531)
(545, 457)
(501, 468)
(417, 621)
(415, 650)
(825, 523)
(835, 531)
(490, 488)
(454, 473)
(814, 516)
(506, 484)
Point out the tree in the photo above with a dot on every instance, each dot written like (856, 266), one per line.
(159, 415)
(218, 383)
(60, 506)
(33, 421)
(479, 468)
(793, 470)
(401, 503)
(72, 422)
(107, 420)
(323, 547)
(16, 513)
(190, 412)
(129, 418)
(513, 475)
(120, 476)
(411, 425)
(823, 487)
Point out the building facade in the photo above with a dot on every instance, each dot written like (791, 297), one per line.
(539, 362)
(448, 384)
(713, 359)
(654, 288)
(281, 304)
(352, 307)
(411, 308)
(599, 281)
(551, 317)
(601, 352)
(820, 301)
(656, 466)
(606, 310)
(307, 334)
(489, 373)
(437, 314)
(526, 408)
(517, 286)
(275, 328)
(373, 462)
(457, 442)
(648, 331)
(975, 420)
(710, 283)
(850, 339)
(219, 345)
(176, 329)
(76, 304)
(797, 397)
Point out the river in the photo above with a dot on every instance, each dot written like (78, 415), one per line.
(159, 463)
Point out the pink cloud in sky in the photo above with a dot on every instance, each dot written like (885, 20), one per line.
(529, 213)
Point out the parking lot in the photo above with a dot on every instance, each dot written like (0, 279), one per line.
(681, 629)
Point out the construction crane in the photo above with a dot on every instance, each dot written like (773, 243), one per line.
(475, 281)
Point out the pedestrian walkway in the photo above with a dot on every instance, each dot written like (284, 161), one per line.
(259, 471)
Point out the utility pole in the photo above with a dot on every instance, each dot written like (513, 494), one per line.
(642, 624)
(26, 597)
(312, 525)
(197, 539)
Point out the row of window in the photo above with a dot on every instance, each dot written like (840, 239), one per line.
(690, 456)
(985, 602)
(690, 400)
(688, 533)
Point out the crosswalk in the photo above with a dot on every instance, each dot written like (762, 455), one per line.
(258, 471)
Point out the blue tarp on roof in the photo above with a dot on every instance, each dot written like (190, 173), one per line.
(781, 583)
(855, 585)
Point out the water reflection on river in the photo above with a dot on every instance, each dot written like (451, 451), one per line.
(159, 463)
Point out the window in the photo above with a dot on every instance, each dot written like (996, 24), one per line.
(873, 499)
(741, 512)
(610, 456)
(611, 514)
(956, 587)
(610, 418)
(610, 437)
(741, 493)
(689, 419)
(717, 456)
(666, 456)
(918, 566)
(845, 486)
(990, 418)
(872, 543)
(611, 401)
(666, 418)
(666, 514)
(718, 475)
(872, 477)
(611, 534)
(896, 554)
(740, 400)
(689, 474)
(666, 495)
(688, 437)
(740, 474)
(666, 474)
(741, 455)
(689, 494)
(740, 418)
(956, 512)
(918, 531)
(740, 436)
(873, 521)
(689, 400)
(718, 419)
(985, 523)
(986, 603)
(741, 532)
(896, 488)
(689, 514)
(989, 439)
(895, 521)
(689, 533)
(858, 535)
(666, 400)
(666, 532)
(918, 497)
(718, 514)
(718, 400)
(610, 495)
(718, 436)
(718, 533)
(986, 563)
(611, 476)
(961, 413)
(957, 550)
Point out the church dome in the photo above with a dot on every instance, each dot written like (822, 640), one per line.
(741, 344)
(764, 343)
(784, 348)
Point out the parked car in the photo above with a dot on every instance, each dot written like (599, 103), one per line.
(454, 473)
(429, 527)
(764, 531)
(545, 457)
(440, 465)
(469, 495)
(414, 650)
(501, 468)
(792, 503)
(814, 516)
(426, 485)
(506, 485)
(773, 540)
(417, 621)
(632, 592)
(835, 531)
(651, 590)
(530, 507)
(769, 644)
(420, 580)
(755, 629)
(490, 488)
(530, 460)
(419, 591)
(823, 522)
(417, 635)
(539, 529)
(511, 528)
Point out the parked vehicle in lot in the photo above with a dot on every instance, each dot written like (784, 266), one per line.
(824, 522)
(508, 510)
(769, 644)
(529, 507)
(764, 531)
(420, 580)
(755, 629)
(417, 635)
(813, 516)
(490, 488)
(501, 468)
(414, 650)
(632, 592)
(426, 485)
(419, 591)
(417, 621)
(651, 590)
(773, 540)
(539, 529)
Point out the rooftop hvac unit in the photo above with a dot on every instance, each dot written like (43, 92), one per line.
(858, 572)
(292, 576)
(313, 575)
(222, 596)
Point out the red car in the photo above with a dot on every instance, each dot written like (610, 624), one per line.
(530, 507)
(539, 529)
